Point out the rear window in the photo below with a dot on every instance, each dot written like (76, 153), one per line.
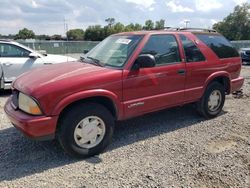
(219, 44)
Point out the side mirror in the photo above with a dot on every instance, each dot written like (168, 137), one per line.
(43, 52)
(144, 61)
(33, 55)
(85, 51)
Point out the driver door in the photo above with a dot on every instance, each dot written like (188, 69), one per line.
(151, 89)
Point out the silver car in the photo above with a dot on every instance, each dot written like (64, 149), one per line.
(16, 59)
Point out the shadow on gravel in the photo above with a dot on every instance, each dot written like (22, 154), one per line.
(22, 157)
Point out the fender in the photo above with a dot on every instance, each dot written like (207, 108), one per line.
(216, 75)
(88, 94)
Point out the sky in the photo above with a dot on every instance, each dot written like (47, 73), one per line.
(50, 16)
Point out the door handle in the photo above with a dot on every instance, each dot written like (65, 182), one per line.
(7, 64)
(181, 71)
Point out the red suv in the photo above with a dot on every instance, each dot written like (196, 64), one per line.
(126, 75)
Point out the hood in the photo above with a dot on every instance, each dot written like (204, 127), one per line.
(51, 58)
(73, 77)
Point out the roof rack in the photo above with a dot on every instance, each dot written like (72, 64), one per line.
(189, 29)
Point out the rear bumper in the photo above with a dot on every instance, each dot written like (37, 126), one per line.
(35, 127)
(236, 84)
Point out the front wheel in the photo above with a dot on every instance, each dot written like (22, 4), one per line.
(212, 102)
(86, 130)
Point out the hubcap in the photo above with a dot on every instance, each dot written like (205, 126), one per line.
(214, 100)
(89, 132)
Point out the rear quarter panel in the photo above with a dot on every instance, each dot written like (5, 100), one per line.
(200, 74)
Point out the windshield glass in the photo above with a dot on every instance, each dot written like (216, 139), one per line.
(114, 50)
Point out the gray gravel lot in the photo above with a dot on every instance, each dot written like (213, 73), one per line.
(171, 148)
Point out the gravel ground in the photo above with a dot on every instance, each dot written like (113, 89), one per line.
(171, 148)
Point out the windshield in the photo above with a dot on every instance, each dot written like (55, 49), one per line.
(114, 50)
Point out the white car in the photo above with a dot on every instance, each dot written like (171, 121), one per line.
(16, 59)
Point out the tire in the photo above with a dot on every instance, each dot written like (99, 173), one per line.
(76, 127)
(207, 106)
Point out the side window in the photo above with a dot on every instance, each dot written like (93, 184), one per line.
(220, 45)
(164, 48)
(192, 52)
(9, 50)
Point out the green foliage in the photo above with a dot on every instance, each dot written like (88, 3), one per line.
(236, 26)
(75, 34)
(149, 25)
(94, 33)
(56, 37)
(110, 21)
(43, 37)
(160, 24)
(25, 34)
(119, 27)
(98, 33)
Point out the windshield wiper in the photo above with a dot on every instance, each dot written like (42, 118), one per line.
(95, 61)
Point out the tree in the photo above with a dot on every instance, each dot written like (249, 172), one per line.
(75, 34)
(137, 27)
(149, 25)
(25, 34)
(236, 25)
(133, 27)
(56, 37)
(110, 21)
(118, 27)
(129, 27)
(160, 24)
(43, 37)
(94, 33)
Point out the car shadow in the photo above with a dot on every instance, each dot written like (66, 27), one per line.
(22, 157)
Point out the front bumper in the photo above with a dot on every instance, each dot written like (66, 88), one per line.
(236, 84)
(35, 127)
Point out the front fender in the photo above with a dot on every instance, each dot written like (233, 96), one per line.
(214, 76)
(88, 94)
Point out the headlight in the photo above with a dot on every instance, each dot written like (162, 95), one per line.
(27, 104)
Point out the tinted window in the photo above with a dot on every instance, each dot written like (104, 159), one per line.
(164, 48)
(221, 46)
(9, 50)
(192, 52)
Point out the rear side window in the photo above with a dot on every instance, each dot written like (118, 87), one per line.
(164, 48)
(192, 52)
(219, 44)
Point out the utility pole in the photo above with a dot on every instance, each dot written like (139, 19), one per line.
(186, 22)
(66, 31)
(65, 28)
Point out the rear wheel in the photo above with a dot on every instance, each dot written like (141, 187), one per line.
(212, 102)
(86, 130)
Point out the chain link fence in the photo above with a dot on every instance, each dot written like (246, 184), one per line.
(77, 47)
(60, 47)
